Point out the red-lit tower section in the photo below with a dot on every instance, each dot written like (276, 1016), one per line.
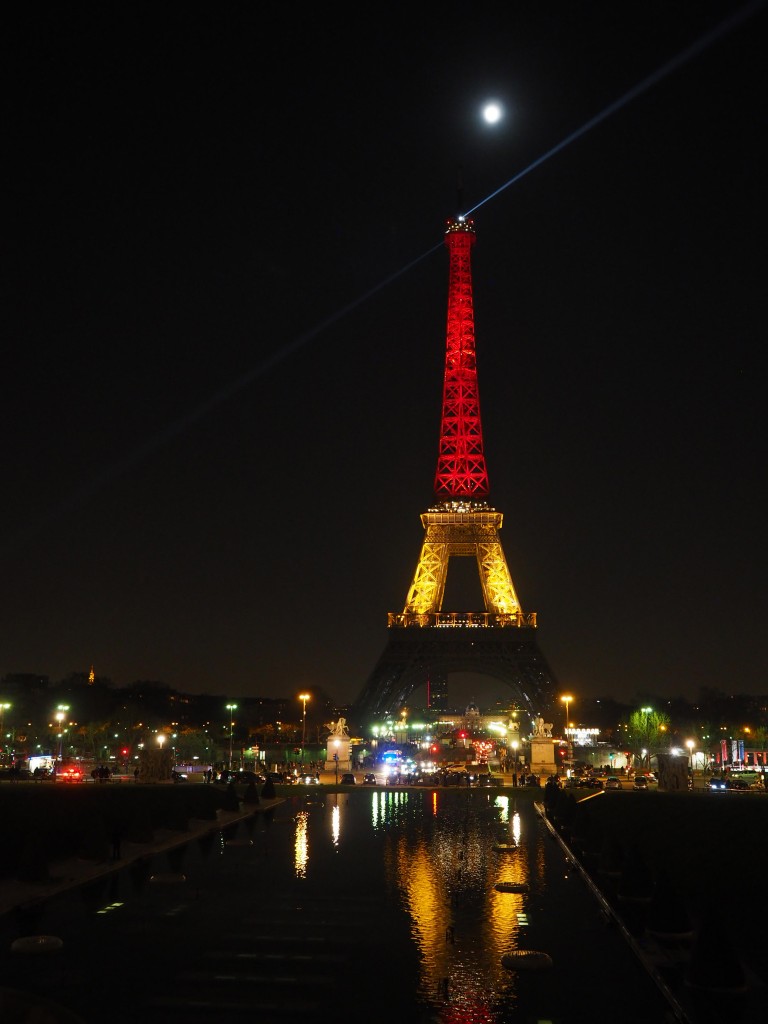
(461, 470)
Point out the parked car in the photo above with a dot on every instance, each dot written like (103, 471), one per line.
(613, 782)
(307, 780)
(455, 778)
(247, 776)
(280, 778)
(740, 785)
(347, 779)
(69, 773)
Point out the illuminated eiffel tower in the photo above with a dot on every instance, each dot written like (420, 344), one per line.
(425, 643)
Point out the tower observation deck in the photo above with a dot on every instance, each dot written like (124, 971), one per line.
(425, 643)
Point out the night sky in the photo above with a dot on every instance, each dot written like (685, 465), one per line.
(225, 335)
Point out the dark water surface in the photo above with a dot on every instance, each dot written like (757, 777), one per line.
(371, 906)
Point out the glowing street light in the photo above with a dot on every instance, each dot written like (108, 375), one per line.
(566, 699)
(61, 716)
(647, 711)
(231, 708)
(3, 709)
(304, 697)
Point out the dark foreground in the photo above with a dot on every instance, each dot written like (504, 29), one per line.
(381, 904)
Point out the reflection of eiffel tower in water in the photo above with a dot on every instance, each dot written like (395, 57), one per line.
(425, 643)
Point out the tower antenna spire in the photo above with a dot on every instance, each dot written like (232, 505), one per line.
(459, 192)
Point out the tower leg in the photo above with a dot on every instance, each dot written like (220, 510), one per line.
(415, 655)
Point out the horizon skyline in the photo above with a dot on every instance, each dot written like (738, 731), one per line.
(508, 700)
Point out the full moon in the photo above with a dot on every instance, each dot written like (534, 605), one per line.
(492, 113)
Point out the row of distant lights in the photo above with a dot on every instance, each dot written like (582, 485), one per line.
(462, 506)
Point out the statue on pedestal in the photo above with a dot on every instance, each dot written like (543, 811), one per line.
(338, 744)
(541, 729)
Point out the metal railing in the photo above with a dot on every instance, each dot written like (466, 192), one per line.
(464, 620)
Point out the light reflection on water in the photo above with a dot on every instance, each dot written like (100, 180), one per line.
(301, 845)
(437, 850)
(336, 824)
(455, 910)
(439, 855)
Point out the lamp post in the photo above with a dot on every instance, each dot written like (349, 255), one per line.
(3, 709)
(304, 697)
(61, 714)
(566, 699)
(690, 744)
(231, 708)
(646, 733)
(515, 745)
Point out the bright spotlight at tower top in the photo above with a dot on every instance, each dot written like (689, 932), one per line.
(493, 112)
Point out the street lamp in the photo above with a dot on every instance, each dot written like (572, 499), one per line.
(231, 708)
(3, 709)
(61, 714)
(304, 697)
(690, 744)
(515, 745)
(566, 699)
(646, 732)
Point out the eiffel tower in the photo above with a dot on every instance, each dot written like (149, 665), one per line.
(425, 644)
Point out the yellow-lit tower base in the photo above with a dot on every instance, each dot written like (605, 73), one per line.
(462, 529)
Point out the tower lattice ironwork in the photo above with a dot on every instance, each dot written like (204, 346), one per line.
(425, 643)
